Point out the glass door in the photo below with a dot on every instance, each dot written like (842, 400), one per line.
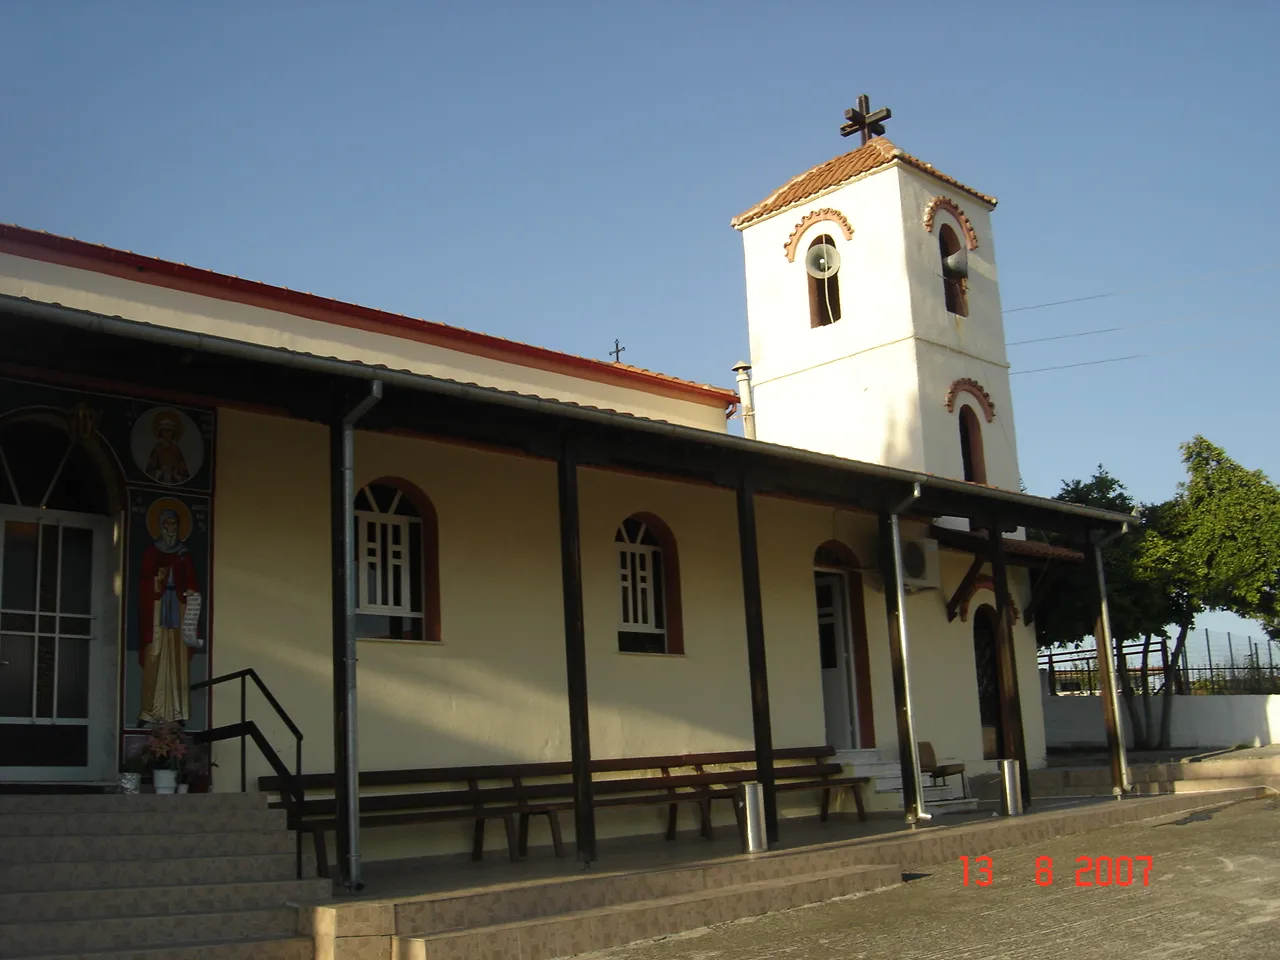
(54, 698)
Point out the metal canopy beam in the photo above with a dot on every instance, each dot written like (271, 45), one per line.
(232, 370)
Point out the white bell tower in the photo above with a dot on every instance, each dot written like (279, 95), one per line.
(874, 315)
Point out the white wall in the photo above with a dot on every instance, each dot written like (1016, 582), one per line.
(1209, 721)
(873, 385)
(148, 303)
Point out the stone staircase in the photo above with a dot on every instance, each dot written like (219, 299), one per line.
(945, 797)
(1194, 775)
(150, 877)
(565, 917)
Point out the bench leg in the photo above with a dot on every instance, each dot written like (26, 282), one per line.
(673, 813)
(857, 799)
(557, 839)
(524, 834)
(513, 837)
(477, 842)
(826, 805)
(704, 808)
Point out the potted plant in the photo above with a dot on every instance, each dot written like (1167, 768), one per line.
(131, 771)
(166, 747)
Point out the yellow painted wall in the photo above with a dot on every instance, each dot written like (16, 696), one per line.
(494, 690)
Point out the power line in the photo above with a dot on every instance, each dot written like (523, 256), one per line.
(1245, 308)
(1063, 336)
(1154, 353)
(1150, 286)
(1083, 363)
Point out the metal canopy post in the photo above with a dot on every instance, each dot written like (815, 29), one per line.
(575, 654)
(342, 536)
(1015, 744)
(1107, 674)
(757, 665)
(896, 612)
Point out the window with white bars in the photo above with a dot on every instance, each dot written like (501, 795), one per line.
(642, 618)
(389, 575)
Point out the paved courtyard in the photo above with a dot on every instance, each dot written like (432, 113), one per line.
(1214, 891)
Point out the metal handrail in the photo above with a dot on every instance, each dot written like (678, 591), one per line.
(247, 729)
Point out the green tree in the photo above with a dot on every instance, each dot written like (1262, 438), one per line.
(1214, 546)
(1141, 606)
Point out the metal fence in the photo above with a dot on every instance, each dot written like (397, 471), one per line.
(1211, 663)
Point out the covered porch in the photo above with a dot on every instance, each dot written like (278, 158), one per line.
(572, 445)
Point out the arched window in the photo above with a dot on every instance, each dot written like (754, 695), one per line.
(42, 465)
(955, 270)
(975, 467)
(649, 587)
(824, 289)
(397, 563)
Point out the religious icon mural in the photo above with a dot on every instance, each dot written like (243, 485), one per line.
(167, 446)
(167, 615)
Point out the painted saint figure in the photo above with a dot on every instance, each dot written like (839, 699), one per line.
(168, 583)
(167, 464)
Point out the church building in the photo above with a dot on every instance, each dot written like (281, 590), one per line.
(438, 549)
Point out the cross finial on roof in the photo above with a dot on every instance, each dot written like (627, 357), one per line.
(862, 119)
(617, 351)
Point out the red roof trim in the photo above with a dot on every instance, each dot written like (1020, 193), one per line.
(50, 248)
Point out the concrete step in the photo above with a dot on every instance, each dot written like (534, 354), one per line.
(125, 847)
(582, 931)
(1204, 784)
(96, 803)
(943, 807)
(178, 819)
(45, 937)
(527, 902)
(276, 948)
(166, 899)
(104, 874)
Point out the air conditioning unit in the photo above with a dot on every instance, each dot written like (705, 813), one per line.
(920, 565)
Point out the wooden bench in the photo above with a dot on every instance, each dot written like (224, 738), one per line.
(505, 792)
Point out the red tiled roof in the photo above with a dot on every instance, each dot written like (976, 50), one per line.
(51, 248)
(879, 152)
(1032, 549)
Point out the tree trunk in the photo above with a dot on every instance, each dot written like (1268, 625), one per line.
(1148, 727)
(1166, 715)
(1130, 704)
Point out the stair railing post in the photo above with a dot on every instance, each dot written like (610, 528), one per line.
(244, 780)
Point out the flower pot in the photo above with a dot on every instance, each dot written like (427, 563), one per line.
(130, 783)
(166, 781)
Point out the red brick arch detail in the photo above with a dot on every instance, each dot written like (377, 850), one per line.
(975, 390)
(946, 203)
(986, 583)
(808, 220)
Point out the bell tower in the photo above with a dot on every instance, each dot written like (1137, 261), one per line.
(874, 315)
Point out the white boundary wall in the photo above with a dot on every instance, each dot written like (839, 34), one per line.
(1200, 721)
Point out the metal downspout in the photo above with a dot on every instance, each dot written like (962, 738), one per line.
(1120, 785)
(913, 749)
(351, 765)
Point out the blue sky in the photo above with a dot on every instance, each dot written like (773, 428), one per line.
(564, 174)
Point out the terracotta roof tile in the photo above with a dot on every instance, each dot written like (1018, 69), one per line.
(880, 152)
(973, 541)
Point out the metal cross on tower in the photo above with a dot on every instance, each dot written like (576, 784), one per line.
(861, 119)
(617, 351)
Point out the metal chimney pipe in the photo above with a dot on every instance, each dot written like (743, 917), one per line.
(743, 370)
